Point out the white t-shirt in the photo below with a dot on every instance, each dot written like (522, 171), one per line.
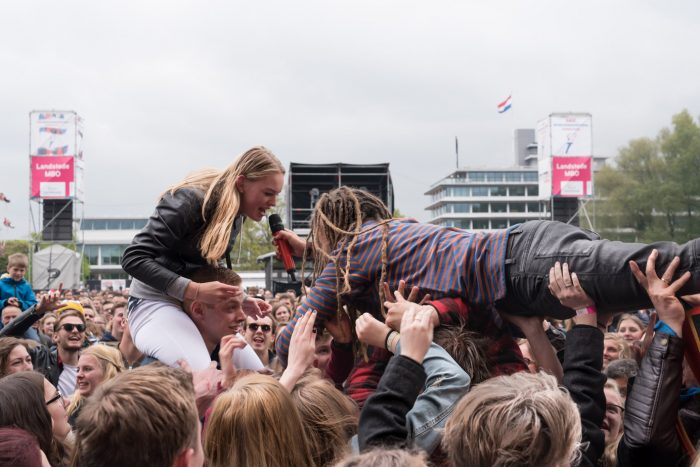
(67, 380)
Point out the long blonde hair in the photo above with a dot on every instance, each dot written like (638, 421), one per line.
(256, 423)
(222, 198)
(329, 417)
(111, 362)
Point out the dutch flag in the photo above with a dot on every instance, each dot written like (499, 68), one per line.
(505, 105)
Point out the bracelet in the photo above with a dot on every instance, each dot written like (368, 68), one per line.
(392, 341)
(589, 310)
(386, 339)
(196, 291)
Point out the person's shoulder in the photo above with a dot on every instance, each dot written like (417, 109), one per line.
(183, 199)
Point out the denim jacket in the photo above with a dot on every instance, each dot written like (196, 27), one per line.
(412, 403)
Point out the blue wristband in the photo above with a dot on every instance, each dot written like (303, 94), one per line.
(665, 328)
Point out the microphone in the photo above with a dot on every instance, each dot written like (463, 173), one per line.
(283, 250)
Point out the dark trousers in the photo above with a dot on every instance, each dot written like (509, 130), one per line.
(601, 266)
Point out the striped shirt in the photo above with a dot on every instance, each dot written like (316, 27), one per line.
(441, 261)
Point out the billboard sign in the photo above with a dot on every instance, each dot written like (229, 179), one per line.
(571, 135)
(564, 155)
(56, 154)
(55, 133)
(52, 177)
(571, 176)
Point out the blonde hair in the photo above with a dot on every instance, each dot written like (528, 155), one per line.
(522, 419)
(609, 457)
(385, 457)
(329, 417)
(256, 423)
(111, 362)
(622, 345)
(222, 198)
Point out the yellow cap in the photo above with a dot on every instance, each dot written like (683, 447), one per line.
(70, 305)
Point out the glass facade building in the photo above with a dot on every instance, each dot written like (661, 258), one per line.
(490, 199)
(103, 241)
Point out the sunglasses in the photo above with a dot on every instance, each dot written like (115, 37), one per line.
(70, 326)
(54, 398)
(264, 327)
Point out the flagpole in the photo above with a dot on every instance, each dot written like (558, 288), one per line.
(457, 152)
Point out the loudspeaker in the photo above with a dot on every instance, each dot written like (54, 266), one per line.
(57, 220)
(307, 182)
(564, 209)
(279, 286)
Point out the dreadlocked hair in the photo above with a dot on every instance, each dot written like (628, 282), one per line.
(338, 218)
(221, 196)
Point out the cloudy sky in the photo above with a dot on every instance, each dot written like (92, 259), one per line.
(169, 87)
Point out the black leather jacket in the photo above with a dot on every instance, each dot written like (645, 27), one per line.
(168, 247)
(652, 407)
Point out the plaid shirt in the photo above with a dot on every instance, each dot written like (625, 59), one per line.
(441, 261)
(503, 354)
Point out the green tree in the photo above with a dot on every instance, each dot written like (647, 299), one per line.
(254, 240)
(653, 190)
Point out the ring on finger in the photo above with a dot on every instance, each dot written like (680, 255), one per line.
(665, 281)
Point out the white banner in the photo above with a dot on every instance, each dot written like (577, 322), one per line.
(55, 133)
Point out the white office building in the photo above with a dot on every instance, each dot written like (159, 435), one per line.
(486, 199)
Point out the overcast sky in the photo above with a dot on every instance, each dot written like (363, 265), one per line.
(169, 87)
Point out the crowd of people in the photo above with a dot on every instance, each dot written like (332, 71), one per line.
(411, 345)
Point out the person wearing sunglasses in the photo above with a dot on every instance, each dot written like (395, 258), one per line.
(260, 335)
(69, 337)
(60, 363)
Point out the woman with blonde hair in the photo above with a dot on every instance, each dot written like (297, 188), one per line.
(97, 365)
(630, 328)
(614, 348)
(329, 417)
(195, 224)
(256, 423)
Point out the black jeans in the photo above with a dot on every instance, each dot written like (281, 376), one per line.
(601, 266)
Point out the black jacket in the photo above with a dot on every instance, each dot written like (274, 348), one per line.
(383, 418)
(583, 360)
(650, 437)
(168, 247)
(44, 360)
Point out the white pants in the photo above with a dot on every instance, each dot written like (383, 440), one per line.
(162, 330)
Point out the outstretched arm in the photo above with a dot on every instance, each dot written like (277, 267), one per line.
(653, 404)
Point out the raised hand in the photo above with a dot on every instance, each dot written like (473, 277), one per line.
(256, 308)
(662, 291)
(567, 288)
(398, 305)
(296, 243)
(228, 344)
(340, 329)
(302, 350)
(371, 331)
(416, 333)
(48, 301)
